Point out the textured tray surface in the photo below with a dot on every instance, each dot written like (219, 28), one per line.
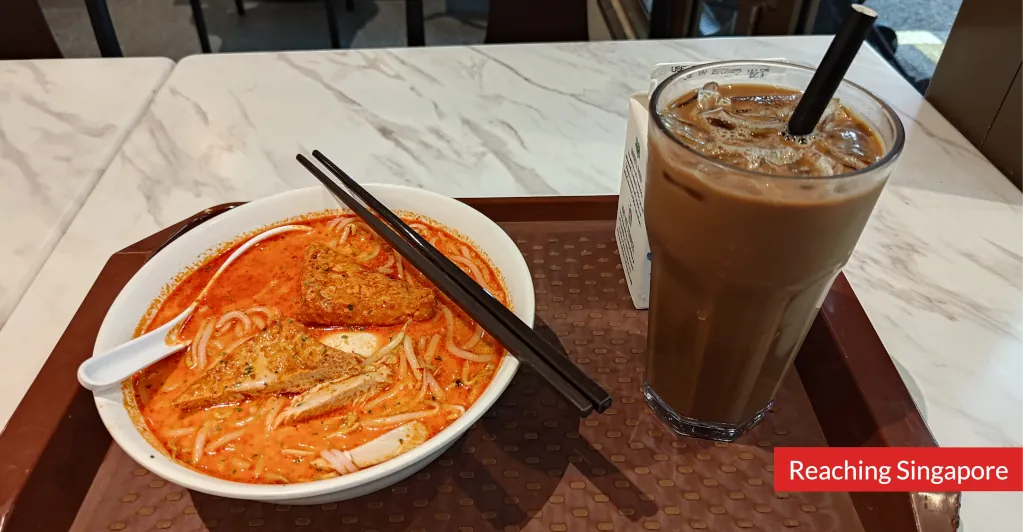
(530, 464)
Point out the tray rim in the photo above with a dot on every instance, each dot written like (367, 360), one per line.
(54, 395)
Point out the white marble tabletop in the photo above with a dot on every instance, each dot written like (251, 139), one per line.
(61, 122)
(938, 269)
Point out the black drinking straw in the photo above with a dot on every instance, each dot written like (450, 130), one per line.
(832, 69)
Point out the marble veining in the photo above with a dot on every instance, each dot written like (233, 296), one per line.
(61, 122)
(938, 268)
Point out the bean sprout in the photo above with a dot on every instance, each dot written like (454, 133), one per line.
(386, 268)
(197, 448)
(477, 336)
(461, 353)
(384, 351)
(224, 440)
(410, 355)
(400, 418)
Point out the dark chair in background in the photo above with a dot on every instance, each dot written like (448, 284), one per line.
(24, 33)
(106, 36)
(523, 21)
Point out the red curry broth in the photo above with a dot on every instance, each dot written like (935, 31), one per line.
(268, 276)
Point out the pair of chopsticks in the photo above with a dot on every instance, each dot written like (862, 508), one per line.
(520, 340)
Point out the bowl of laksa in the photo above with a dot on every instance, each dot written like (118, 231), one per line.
(319, 365)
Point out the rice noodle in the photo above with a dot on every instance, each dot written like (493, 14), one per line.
(370, 255)
(258, 322)
(398, 263)
(419, 228)
(269, 313)
(348, 230)
(465, 372)
(197, 448)
(461, 353)
(276, 478)
(386, 268)
(296, 452)
(384, 351)
(177, 433)
(465, 252)
(478, 276)
(477, 336)
(201, 350)
(390, 394)
(272, 414)
(400, 418)
(435, 388)
(344, 219)
(410, 355)
(224, 440)
(227, 318)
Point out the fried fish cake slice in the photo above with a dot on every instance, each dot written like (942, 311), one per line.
(337, 291)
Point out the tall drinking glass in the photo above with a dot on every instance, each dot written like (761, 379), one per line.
(741, 259)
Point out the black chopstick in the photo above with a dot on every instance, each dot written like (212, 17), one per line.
(459, 295)
(562, 364)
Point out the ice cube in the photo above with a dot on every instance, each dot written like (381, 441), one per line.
(777, 106)
(848, 141)
(781, 155)
(686, 131)
(823, 165)
(748, 122)
(708, 96)
(833, 112)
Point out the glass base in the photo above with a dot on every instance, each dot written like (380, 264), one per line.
(708, 430)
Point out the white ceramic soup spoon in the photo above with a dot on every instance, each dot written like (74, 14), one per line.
(123, 361)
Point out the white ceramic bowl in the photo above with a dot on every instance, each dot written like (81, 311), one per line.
(131, 304)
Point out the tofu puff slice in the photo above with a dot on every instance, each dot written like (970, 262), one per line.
(283, 358)
(334, 290)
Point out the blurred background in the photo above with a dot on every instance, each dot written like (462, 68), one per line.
(911, 34)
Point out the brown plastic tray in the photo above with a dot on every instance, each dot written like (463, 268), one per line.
(530, 464)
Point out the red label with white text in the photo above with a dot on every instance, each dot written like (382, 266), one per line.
(934, 469)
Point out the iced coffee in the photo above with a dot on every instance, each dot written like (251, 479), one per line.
(749, 226)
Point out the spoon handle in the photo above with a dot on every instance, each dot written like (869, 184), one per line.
(120, 363)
